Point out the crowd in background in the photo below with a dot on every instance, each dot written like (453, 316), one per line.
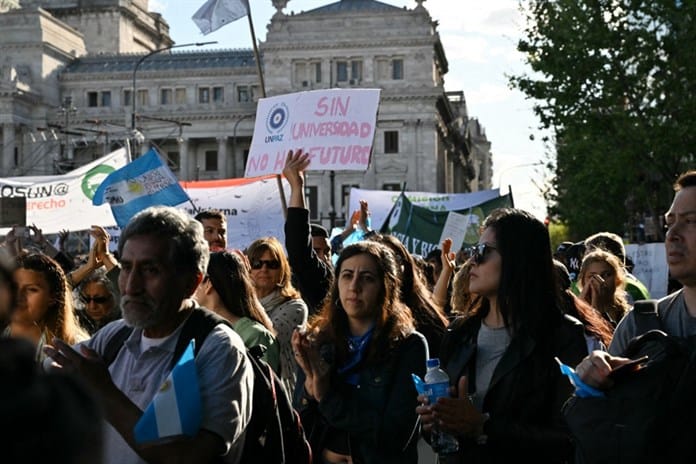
(345, 338)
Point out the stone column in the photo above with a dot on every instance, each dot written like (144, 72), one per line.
(184, 171)
(223, 170)
(8, 148)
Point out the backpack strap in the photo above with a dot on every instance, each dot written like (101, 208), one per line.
(115, 343)
(198, 325)
(646, 315)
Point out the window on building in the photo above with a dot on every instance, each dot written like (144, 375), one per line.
(105, 99)
(95, 99)
(173, 160)
(180, 96)
(211, 160)
(243, 94)
(218, 94)
(204, 95)
(143, 97)
(312, 201)
(397, 69)
(341, 71)
(92, 99)
(391, 141)
(317, 71)
(392, 187)
(127, 98)
(356, 68)
(165, 96)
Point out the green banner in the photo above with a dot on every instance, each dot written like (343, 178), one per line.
(420, 229)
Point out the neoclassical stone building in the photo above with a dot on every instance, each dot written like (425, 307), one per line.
(68, 69)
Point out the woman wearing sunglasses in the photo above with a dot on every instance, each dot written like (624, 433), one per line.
(98, 301)
(508, 389)
(270, 272)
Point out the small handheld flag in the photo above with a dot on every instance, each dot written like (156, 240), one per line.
(176, 408)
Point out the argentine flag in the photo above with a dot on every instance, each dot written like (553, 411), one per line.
(144, 182)
(176, 408)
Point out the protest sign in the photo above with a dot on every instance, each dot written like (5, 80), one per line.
(252, 206)
(421, 229)
(650, 266)
(335, 126)
(55, 203)
(380, 202)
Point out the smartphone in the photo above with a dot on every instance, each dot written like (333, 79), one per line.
(598, 278)
(632, 366)
(20, 231)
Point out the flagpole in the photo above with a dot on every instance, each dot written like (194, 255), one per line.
(259, 71)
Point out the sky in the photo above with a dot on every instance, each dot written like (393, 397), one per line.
(480, 44)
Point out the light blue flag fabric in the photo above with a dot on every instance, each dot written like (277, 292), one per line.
(144, 182)
(216, 13)
(581, 388)
(176, 408)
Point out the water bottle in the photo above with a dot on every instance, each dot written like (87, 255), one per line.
(437, 386)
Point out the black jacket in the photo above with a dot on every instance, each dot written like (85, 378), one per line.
(379, 414)
(525, 395)
(311, 275)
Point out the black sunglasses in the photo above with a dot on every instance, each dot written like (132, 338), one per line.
(479, 252)
(97, 299)
(270, 263)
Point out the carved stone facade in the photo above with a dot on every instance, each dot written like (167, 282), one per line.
(69, 99)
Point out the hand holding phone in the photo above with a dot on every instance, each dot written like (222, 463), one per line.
(633, 365)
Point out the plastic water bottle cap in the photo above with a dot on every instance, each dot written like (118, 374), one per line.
(433, 362)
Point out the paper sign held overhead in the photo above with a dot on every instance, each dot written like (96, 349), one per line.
(336, 126)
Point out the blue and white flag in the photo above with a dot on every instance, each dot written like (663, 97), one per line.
(176, 408)
(217, 13)
(144, 182)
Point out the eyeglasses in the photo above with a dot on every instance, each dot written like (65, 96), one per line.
(270, 264)
(479, 252)
(97, 299)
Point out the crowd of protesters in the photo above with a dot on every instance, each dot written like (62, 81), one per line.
(345, 339)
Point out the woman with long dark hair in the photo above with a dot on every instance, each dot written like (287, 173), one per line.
(358, 355)
(228, 291)
(500, 356)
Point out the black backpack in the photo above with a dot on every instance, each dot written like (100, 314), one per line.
(274, 433)
(649, 414)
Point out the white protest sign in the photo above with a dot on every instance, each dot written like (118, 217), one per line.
(650, 266)
(455, 228)
(336, 126)
(252, 207)
(380, 202)
(59, 202)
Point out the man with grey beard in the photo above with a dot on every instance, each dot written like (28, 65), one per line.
(164, 257)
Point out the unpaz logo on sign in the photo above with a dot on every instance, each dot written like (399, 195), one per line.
(276, 121)
(94, 178)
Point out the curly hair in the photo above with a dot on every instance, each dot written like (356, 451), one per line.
(393, 320)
